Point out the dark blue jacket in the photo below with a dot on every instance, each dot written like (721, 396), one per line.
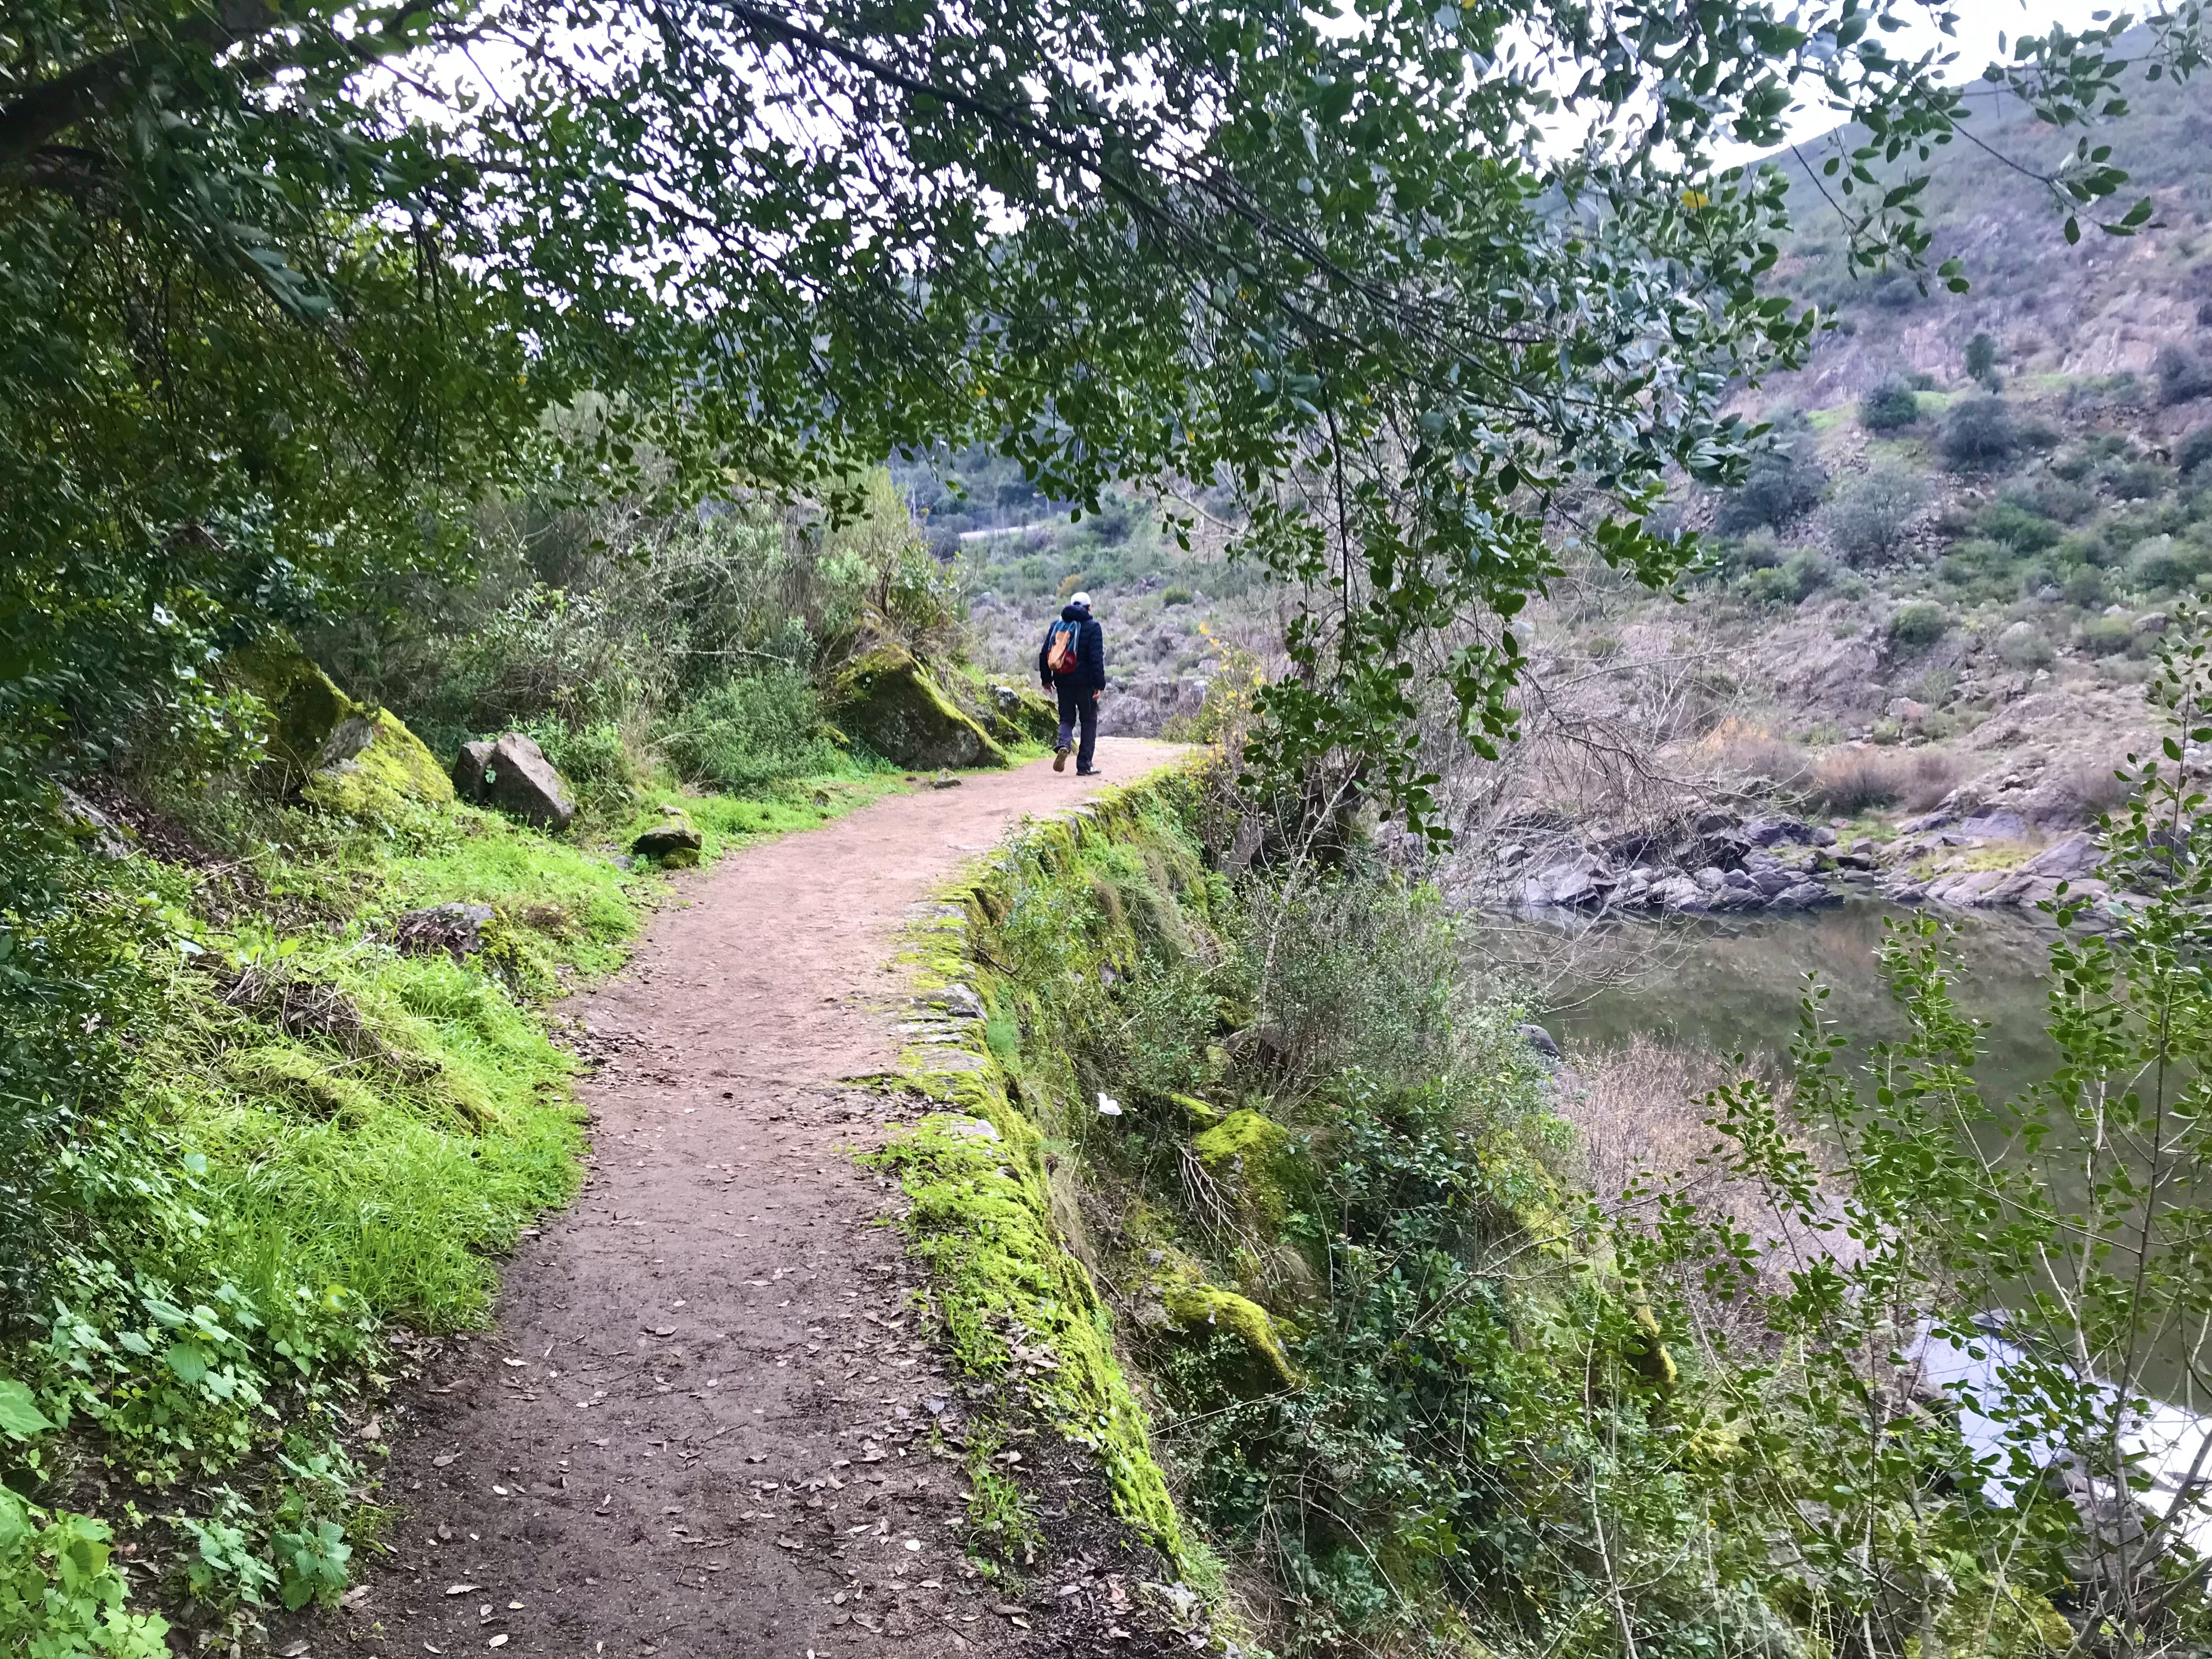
(1089, 673)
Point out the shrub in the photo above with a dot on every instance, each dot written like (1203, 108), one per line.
(2023, 646)
(1175, 596)
(1784, 481)
(2162, 563)
(2084, 586)
(1870, 512)
(1982, 361)
(597, 761)
(2181, 378)
(2134, 481)
(1978, 434)
(1918, 622)
(1890, 407)
(1794, 580)
(746, 734)
(2017, 527)
(2105, 636)
(2194, 450)
(1849, 781)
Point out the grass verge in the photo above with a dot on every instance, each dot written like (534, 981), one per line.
(314, 1147)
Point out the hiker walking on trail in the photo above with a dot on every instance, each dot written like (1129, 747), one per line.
(1073, 662)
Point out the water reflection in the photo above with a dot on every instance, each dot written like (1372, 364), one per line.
(1725, 985)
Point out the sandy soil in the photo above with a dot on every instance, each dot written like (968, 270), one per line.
(699, 1425)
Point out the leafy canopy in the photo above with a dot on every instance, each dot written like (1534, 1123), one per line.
(290, 282)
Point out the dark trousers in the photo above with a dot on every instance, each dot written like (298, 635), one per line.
(1076, 706)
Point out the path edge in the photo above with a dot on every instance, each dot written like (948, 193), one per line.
(1018, 1306)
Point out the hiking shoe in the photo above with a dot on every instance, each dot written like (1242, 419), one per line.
(1059, 760)
(1090, 771)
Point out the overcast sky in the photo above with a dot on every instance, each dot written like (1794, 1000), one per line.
(1981, 23)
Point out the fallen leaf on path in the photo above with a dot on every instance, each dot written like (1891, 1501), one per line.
(295, 1651)
(514, 1362)
(461, 1590)
(789, 1544)
(499, 1640)
(442, 1459)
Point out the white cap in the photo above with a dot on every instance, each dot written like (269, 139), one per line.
(1083, 599)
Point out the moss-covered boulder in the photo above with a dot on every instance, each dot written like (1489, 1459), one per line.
(304, 706)
(889, 701)
(371, 765)
(1204, 1311)
(1243, 1153)
(338, 755)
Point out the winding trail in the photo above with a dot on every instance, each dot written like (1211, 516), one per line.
(689, 1432)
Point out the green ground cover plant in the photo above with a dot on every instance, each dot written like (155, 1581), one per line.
(297, 1151)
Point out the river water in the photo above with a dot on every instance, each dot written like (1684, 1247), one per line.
(1730, 985)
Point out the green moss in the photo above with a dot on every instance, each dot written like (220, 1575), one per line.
(1243, 1153)
(1019, 1307)
(1200, 1309)
(891, 701)
(393, 770)
(304, 705)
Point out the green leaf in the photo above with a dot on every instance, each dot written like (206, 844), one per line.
(20, 1415)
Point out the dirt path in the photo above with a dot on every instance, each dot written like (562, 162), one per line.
(689, 1433)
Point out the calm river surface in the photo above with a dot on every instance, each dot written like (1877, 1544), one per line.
(1725, 985)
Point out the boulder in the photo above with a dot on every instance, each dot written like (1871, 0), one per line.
(304, 707)
(673, 844)
(371, 764)
(94, 828)
(1539, 1040)
(1204, 1311)
(893, 704)
(2064, 860)
(457, 930)
(1022, 712)
(1582, 878)
(1682, 895)
(1769, 832)
(468, 769)
(1998, 823)
(1804, 896)
(516, 778)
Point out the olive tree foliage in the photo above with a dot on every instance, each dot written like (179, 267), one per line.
(290, 278)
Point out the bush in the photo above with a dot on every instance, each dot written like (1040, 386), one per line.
(1175, 596)
(1796, 579)
(1784, 481)
(1849, 781)
(2105, 636)
(2181, 378)
(746, 734)
(1918, 622)
(2023, 646)
(1870, 512)
(2160, 563)
(2194, 450)
(1979, 434)
(2017, 527)
(2134, 481)
(1982, 361)
(1890, 407)
(2084, 586)
(597, 761)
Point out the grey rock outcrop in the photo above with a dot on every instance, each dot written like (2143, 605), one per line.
(513, 775)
